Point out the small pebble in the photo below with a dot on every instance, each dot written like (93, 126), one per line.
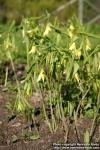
(19, 74)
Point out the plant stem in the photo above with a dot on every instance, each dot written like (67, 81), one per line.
(95, 118)
(81, 101)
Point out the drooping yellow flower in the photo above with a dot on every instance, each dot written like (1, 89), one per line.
(33, 49)
(77, 53)
(72, 47)
(88, 44)
(76, 77)
(71, 27)
(41, 76)
(70, 31)
(47, 30)
(20, 107)
(32, 31)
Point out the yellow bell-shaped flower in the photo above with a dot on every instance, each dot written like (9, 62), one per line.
(41, 76)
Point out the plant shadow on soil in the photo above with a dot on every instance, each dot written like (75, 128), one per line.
(15, 132)
(18, 134)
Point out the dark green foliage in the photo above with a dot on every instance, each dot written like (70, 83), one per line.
(62, 64)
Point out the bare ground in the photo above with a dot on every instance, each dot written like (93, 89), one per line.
(14, 134)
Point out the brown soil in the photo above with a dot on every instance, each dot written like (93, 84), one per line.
(21, 130)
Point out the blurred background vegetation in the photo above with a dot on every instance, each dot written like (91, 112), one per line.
(17, 9)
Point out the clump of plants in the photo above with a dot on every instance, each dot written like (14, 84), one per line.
(62, 64)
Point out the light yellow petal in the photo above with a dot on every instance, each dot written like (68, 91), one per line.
(78, 53)
(20, 107)
(71, 27)
(76, 77)
(47, 30)
(33, 49)
(41, 76)
(88, 44)
(72, 47)
(99, 67)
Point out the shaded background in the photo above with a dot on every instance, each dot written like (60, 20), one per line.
(17, 9)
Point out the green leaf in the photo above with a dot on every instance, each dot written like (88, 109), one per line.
(14, 139)
(69, 69)
(76, 67)
(31, 67)
(35, 136)
(89, 113)
(86, 137)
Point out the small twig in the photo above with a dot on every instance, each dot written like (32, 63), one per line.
(59, 9)
(6, 76)
(62, 7)
(81, 101)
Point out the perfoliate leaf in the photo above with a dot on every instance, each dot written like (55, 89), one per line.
(76, 67)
